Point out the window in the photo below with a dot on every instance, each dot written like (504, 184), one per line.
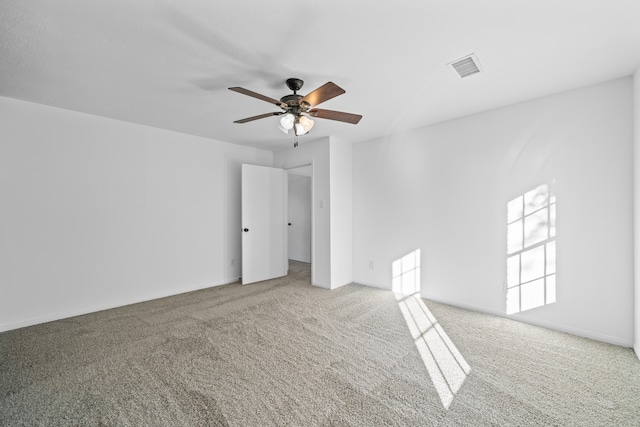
(406, 274)
(531, 249)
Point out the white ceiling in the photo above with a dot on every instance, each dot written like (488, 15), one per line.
(168, 63)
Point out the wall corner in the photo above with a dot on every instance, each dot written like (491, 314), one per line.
(636, 209)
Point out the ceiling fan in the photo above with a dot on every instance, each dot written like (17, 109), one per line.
(297, 109)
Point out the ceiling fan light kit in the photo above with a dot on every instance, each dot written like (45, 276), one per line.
(287, 121)
(297, 109)
(306, 123)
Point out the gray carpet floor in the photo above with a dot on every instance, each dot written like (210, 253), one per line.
(283, 352)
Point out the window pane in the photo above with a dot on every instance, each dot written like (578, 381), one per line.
(408, 262)
(513, 271)
(532, 294)
(551, 289)
(532, 264)
(535, 228)
(396, 268)
(551, 257)
(396, 284)
(536, 199)
(513, 300)
(531, 249)
(514, 209)
(409, 283)
(514, 237)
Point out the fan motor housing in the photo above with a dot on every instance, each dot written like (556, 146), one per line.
(291, 100)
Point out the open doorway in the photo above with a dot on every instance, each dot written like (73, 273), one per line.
(300, 219)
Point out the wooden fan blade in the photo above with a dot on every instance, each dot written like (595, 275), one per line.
(257, 95)
(261, 116)
(335, 115)
(323, 93)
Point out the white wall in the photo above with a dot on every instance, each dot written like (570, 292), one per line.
(331, 265)
(299, 231)
(636, 198)
(98, 213)
(315, 153)
(443, 189)
(341, 164)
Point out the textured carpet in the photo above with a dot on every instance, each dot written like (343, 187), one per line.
(283, 352)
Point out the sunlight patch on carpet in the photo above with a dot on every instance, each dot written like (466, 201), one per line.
(445, 365)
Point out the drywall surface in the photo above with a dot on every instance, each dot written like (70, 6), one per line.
(636, 210)
(315, 153)
(299, 218)
(98, 213)
(444, 189)
(331, 264)
(340, 158)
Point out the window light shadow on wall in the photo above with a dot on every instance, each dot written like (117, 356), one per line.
(406, 274)
(445, 365)
(531, 249)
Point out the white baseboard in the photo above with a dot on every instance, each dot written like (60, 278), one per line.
(95, 308)
(372, 285)
(636, 348)
(549, 325)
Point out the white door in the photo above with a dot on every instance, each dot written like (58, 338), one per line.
(264, 233)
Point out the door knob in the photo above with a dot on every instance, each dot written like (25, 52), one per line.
(245, 230)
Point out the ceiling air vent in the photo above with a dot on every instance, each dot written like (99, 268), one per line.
(465, 67)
